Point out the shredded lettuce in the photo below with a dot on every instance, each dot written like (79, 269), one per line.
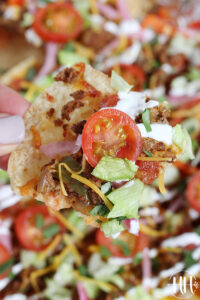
(76, 220)
(83, 7)
(126, 200)
(181, 139)
(92, 289)
(104, 271)
(30, 258)
(70, 58)
(44, 81)
(113, 168)
(119, 84)
(112, 227)
(4, 177)
(139, 293)
(64, 274)
(54, 291)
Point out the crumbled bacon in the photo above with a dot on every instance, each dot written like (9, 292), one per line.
(78, 95)
(68, 75)
(92, 92)
(50, 112)
(50, 98)
(58, 122)
(78, 127)
(69, 108)
(36, 138)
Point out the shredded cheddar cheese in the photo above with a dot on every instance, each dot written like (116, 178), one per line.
(122, 45)
(183, 113)
(36, 274)
(161, 183)
(151, 232)
(107, 287)
(93, 7)
(84, 181)
(157, 158)
(55, 242)
(70, 244)
(93, 248)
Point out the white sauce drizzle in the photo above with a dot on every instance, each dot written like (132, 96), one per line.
(159, 132)
(182, 240)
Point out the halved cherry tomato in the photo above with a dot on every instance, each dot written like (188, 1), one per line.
(58, 22)
(158, 24)
(134, 243)
(187, 105)
(185, 168)
(110, 132)
(4, 257)
(148, 171)
(28, 234)
(194, 25)
(16, 2)
(193, 191)
(133, 74)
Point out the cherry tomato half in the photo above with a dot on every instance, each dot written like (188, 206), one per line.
(4, 257)
(58, 22)
(193, 191)
(110, 132)
(15, 2)
(134, 243)
(29, 234)
(194, 25)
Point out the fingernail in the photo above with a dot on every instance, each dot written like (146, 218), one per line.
(11, 130)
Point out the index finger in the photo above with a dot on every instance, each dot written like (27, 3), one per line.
(12, 102)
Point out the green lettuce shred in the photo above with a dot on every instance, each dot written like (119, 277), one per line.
(119, 84)
(113, 168)
(112, 227)
(181, 139)
(126, 200)
(68, 58)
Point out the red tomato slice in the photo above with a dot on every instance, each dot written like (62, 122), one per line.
(158, 24)
(4, 257)
(194, 25)
(148, 171)
(193, 191)
(134, 75)
(135, 243)
(110, 132)
(16, 2)
(58, 22)
(27, 233)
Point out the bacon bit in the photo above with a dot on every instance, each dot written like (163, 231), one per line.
(68, 75)
(26, 189)
(68, 133)
(92, 92)
(50, 112)
(49, 97)
(79, 95)
(185, 168)
(36, 138)
(109, 100)
(81, 68)
(58, 123)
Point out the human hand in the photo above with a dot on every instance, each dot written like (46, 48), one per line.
(12, 108)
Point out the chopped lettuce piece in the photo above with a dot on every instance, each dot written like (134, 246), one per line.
(126, 200)
(112, 227)
(83, 7)
(44, 81)
(106, 187)
(92, 289)
(69, 58)
(27, 20)
(4, 177)
(193, 73)
(139, 293)
(30, 258)
(181, 139)
(113, 168)
(64, 273)
(54, 291)
(104, 271)
(119, 84)
(76, 220)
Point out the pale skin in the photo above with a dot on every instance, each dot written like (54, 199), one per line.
(11, 104)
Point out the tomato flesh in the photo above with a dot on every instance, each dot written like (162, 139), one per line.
(110, 132)
(134, 75)
(58, 22)
(4, 257)
(135, 243)
(193, 191)
(148, 171)
(27, 233)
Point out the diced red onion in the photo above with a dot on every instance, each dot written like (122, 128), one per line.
(5, 240)
(177, 203)
(123, 9)
(109, 47)
(108, 11)
(50, 61)
(31, 6)
(54, 149)
(132, 225)
(82, 292)
(146, 267)
(177, 100)
(117, 185)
